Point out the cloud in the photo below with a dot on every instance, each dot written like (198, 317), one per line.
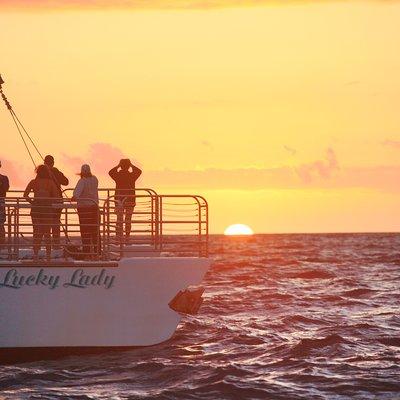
(382, 178)
(320, 174)
(392, 143)
(206, 143)
(19, 175)
(100, 156)
(320, 169)
(290, 150)
(323, 174)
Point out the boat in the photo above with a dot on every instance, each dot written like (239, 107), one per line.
(132, 292)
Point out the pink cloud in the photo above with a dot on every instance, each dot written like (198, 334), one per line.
(320, 174)
(290, 150)
(319, 169)
(19, 175)
(382, 178)
(100, 156)
(392, 143)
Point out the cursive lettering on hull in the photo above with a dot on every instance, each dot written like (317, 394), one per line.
(79, 279)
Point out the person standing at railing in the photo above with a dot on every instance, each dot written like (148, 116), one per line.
(59, 179)
(87, 197)
(4, 186)
(44, 194)
(125, 181)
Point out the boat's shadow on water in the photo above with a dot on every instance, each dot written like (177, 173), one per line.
(17, 355)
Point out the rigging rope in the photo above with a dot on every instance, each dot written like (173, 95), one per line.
(27, 134)
(19, 125)
(23, 139)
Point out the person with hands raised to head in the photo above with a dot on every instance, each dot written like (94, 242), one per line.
(125, 175)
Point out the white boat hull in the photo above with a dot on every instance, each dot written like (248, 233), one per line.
(122, 306)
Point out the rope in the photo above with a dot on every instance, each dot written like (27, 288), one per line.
(23, 139)
(16, 122)
(27, 134)
(19, 125)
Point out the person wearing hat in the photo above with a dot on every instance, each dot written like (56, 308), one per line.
(125, 175)
(87, 198)
(4, 187)
(59, 179)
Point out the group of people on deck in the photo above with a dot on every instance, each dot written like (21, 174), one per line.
(47, 204)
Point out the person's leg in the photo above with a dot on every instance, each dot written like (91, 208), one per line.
(55, 228)
(128, 220)
(95, 229)
(47, 240)
(36, 236)
(84, 221)
(120, 218)
(48, 220)
(2, 235)
(2, 222)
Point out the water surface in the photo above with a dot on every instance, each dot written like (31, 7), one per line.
(284, 317)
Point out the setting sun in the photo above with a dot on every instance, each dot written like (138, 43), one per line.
(238, 229)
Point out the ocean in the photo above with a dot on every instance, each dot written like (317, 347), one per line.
(311, 316)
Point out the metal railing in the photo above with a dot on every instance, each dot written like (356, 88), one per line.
(145, 223)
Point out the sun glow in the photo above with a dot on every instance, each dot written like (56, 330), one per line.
(238, 229)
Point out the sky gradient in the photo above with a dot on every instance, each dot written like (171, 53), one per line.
(284, 116)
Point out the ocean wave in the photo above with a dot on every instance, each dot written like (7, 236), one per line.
(284, 317)
(307, 346)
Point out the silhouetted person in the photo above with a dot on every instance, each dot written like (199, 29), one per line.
(45, 193)
(125, 194)
(4, 187)
(86, 195)
(59, 179)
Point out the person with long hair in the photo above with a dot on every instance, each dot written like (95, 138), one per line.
(86, 195)
(44, 194)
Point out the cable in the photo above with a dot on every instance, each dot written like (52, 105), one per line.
(23, 139)
(16, 121)
(27, 134)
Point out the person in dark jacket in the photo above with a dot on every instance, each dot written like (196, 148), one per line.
(125, 194)
(4, 187)
(59, 179)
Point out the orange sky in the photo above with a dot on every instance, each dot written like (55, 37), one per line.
(284, 116)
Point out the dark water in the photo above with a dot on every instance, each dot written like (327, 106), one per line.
(285, 317)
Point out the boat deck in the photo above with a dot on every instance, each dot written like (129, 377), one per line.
(167, 225)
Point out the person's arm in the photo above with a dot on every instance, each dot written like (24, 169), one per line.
(136, 171)
(113, 172)
(6, 184)
(54, 192)
(27, 191)
(78, 189)
(61, 178)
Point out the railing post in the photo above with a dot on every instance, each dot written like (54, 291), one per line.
(17, 229)
(160, 221)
